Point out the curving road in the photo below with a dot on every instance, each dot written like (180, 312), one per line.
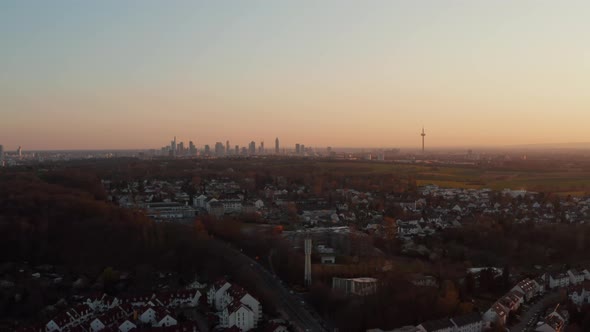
(289, 305)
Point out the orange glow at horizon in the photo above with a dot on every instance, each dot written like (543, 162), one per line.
(335, 73)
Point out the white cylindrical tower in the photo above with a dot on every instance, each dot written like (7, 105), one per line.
(307, 245)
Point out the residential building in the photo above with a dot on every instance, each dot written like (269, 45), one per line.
(528, 287)
(239, 315)
(497, 314)
(217, 296)
(356, 286)
(558, 280)
(237, 307)
(576, 277)
(554, 322)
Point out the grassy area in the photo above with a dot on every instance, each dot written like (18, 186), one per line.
(573, 182)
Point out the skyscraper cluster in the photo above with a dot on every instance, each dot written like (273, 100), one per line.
(178, 149)
(300, 149)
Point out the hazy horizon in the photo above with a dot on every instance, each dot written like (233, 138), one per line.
(541, 147)
(131, 75)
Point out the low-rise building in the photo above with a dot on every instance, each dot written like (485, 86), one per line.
(497, 314)
(558, 280)
(356, 286)
(239, 315)
(576, 277)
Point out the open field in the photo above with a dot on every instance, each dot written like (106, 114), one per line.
(563, 181)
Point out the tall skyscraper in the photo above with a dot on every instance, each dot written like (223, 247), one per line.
(219, 149)
(19, 152)
(423, 134)
(297, 148)
(173, 147)
(181, 148)
(237, 150)
(277, 145)
(227, 149)
(261, 149)
(252, 148)
(207, 150)
(192, 149)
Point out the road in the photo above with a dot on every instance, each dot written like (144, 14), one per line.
(194, 315)
(535, 308)
(288, 304)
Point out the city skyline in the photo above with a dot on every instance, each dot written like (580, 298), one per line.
(111, 75)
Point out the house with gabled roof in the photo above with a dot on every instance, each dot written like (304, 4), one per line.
(136, 300)
(554, 322)
(108, 319)
(528, 287)
(238, 293)
(59, 323)
(497, 314)
(239, 315)
(126, 325)
(558, 280)
(217, 295)
(147, 314)
(173, 299)
(576, 277)
(163, 318)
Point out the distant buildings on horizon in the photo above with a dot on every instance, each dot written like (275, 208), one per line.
(178, 149)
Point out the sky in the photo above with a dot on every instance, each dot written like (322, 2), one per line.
(133, 74)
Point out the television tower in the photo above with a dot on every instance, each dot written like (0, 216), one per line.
(423, 134)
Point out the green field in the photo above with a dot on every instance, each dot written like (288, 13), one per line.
(574, 182)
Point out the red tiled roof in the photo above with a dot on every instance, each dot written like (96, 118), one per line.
(127, 308)
(160, 313)
(112, 316)
(62, 319)
(237, 292)
(219, 283)
(236, 305)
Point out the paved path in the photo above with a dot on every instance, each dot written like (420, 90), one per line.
(194, 315)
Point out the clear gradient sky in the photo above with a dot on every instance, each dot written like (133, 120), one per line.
(132, 74)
